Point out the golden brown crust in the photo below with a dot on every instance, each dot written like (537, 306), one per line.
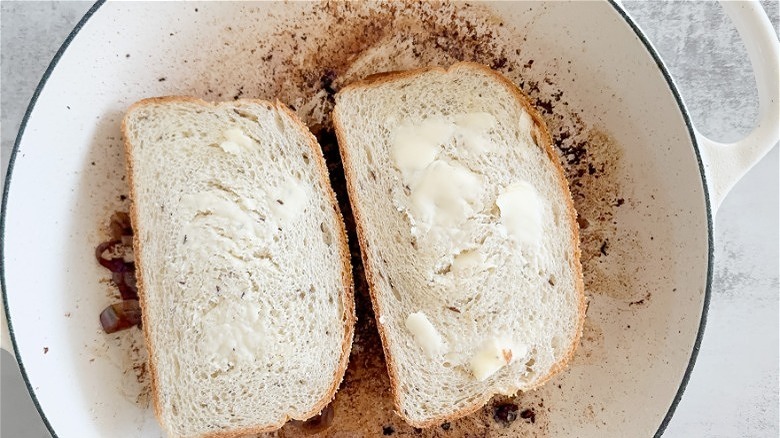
(349, 317)
(544, 140)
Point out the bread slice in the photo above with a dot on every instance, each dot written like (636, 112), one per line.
(242, 262)
(468, 234)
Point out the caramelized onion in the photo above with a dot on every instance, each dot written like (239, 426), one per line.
(120, 316)
(116, 264)
(125, 281)
(127, 313)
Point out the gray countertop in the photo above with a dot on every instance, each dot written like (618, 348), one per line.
(733, 391)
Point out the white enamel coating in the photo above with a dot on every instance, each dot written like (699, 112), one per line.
(59, 200)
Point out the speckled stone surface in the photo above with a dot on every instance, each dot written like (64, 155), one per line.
(733, 391)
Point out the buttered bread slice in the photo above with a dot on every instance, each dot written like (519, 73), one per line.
(243, 268)
(468, 235)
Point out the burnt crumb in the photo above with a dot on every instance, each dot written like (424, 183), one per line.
(417, 430)
(388, 430)
(45, 350)
(127, 55)
(591, 169)
(327, 82)
(528, 64)
(505, 413)
(140, 371)
(499, 63)
(161, 79)
(454, 309)
(268, 57)
(545, 105)
(641, 301)
(445, 426)
(528, 415)
(619, 202)
(572, 152)
(196, 9)
(604, 246)
(239, 93)
(122, 197)
(93, 163)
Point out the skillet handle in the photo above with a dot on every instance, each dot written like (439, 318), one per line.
(727, 163)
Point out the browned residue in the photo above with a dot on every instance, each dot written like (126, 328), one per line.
(591, 348)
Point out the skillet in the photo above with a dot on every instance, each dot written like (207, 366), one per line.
(611, 105)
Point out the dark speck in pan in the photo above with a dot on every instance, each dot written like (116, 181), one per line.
(239, 93)
(604, 246)
(644, 300)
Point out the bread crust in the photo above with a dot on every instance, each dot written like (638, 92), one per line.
(347, 295)
(544, 140)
